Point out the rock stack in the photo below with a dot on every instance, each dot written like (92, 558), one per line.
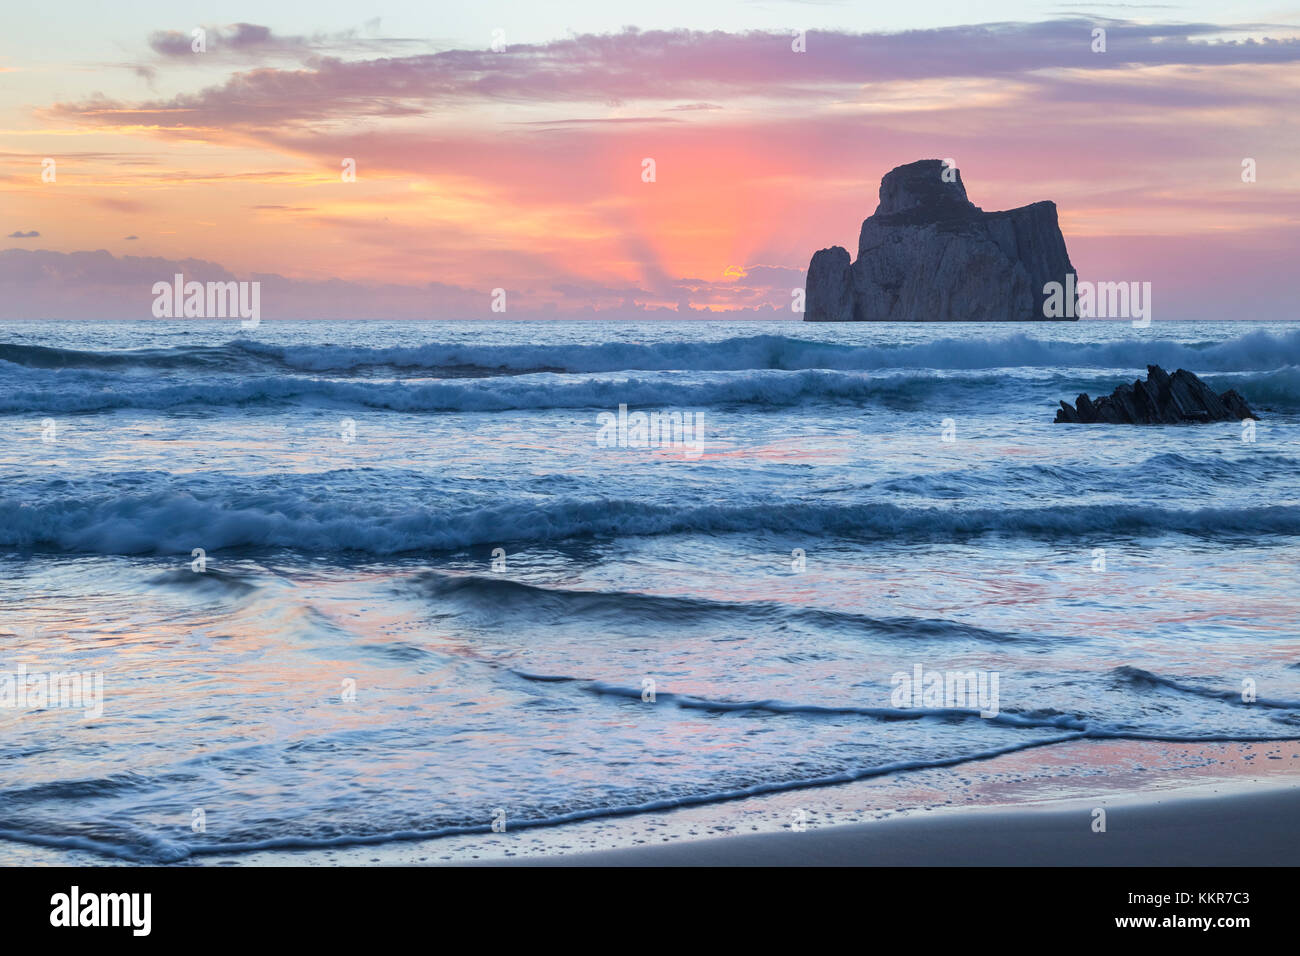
(929, 254)
(1163, 399)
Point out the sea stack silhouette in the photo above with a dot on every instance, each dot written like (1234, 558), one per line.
(928, 254)
(1163, 399)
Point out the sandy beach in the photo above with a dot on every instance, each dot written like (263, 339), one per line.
(1185, 828)
(1165, 805)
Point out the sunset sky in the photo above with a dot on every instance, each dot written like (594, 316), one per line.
(522, 168)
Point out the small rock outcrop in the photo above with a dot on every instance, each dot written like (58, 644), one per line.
(928, 254)
(1163, 399)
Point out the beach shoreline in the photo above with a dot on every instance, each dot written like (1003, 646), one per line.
(948, 816)
(1191, 828)
(1165, 804)
(1175, 804)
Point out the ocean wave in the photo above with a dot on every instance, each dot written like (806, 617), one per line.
(1168, 470)
(1279, 389)
(771, 389)
(1038, 719)
(60, 394)
(211, 580)
(129, 843)
(138, 846)
(781, 708)
(1136, 677)
(174, 522)
(499, 597)
(214, 357)
(1254, 351)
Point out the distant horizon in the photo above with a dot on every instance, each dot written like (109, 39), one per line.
(647, 318)
(377, 168)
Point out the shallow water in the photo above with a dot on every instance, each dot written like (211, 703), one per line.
(356, 662)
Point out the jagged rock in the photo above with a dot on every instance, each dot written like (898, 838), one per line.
(1163, 399)
(929, 254)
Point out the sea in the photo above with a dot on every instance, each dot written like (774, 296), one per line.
(321, 584)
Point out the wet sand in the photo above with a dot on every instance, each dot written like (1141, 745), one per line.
(1183, 828)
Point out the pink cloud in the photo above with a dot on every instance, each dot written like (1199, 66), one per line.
(672, 65)
(530, 180)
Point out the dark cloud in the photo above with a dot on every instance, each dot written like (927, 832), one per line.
(24, 235)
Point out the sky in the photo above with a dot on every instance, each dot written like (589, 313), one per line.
(503, 146)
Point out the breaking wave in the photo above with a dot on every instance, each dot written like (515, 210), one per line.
(1278, 390)
(170, 522)
(1253, 351)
